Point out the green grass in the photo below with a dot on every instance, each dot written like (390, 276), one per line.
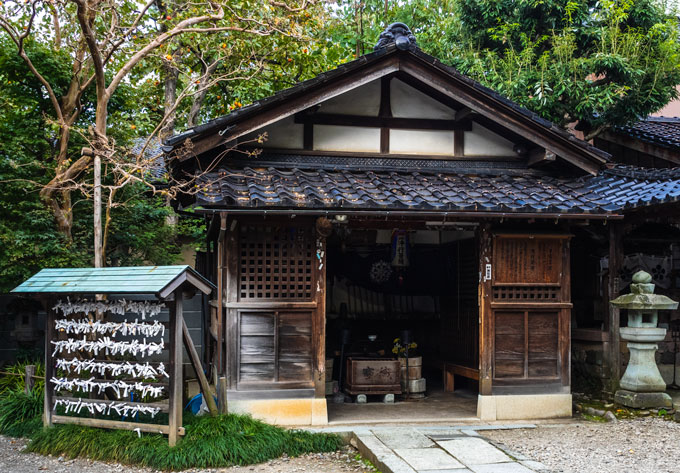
(20, 414)
(210, 442)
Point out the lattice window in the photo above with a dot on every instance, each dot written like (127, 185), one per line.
(276, 263)
(526, 293)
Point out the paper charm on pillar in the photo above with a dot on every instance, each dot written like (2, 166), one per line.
(401, 250)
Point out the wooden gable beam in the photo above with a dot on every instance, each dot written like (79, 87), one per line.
(380, 122)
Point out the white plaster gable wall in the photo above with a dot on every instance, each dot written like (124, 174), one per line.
(283, 134)
(364, 101)
(346, 138)
(483, 142)
(408, 102)
(421, 142)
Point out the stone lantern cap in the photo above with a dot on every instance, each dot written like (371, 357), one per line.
(642, 296)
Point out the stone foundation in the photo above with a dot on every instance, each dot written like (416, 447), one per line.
(642, 400)
(283, 411)
(524, 406)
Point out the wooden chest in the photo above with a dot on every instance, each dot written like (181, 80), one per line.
(372, 376)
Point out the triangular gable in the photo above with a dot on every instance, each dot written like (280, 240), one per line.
(414, 68)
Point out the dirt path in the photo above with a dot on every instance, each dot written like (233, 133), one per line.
(13, 460)
(643, 445)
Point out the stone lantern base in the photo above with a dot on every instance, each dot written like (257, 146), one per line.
(642, 400)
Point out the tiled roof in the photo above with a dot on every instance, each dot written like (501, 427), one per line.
(291, 188)
(661, 131)
(628, 187)
(355, 188)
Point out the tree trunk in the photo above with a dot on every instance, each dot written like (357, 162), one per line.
(199, 98)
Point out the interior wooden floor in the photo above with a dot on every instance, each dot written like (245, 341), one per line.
(437, 407)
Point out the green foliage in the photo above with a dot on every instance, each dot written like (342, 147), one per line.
(20, 414)
(592, 63)
(12, 378)
(210, 442)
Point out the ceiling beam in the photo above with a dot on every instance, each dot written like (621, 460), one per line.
(381, 122)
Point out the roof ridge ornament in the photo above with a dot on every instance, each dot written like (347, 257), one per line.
(399, 34)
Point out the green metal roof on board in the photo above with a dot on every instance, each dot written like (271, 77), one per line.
(115, 280)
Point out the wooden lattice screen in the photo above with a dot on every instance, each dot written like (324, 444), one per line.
(276, 263)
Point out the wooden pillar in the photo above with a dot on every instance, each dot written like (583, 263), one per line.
(485, 240)
(230, 274)
(50, 334)
(564, 328)
(612, 349)
(319, 322)
(175, 362)
(220, 296)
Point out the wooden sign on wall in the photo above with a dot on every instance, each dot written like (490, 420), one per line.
(524, 259)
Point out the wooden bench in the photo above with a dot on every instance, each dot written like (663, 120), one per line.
(450, 370)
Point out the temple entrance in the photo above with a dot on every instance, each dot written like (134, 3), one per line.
(387, 290)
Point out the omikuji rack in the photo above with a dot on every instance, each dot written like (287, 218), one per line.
(67, 290)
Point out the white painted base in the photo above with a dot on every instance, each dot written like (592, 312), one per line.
(283, 411)
(524, 406)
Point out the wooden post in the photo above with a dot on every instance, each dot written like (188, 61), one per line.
(198, 367)
(612, 349)
(50, 334)
(231, 279)
(29, 382)
(176, 381)
(221, 365)
(485, 314)
(319, 322)
(222, 394)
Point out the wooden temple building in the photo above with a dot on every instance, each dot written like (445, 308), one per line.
(394, 193)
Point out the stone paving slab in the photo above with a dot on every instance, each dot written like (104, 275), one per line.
(425, 459)
(403, 438)
(501, 468)
(380, 455)
(474, 451)
(455, 470)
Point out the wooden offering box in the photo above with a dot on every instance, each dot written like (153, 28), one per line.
(372, 376)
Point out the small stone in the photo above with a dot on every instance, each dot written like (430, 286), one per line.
(610, 417)
(608, 405)
(594, 412)
(644, 412)
(676, 416)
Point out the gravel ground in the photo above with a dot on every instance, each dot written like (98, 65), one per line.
(13, 460)
(642, 445)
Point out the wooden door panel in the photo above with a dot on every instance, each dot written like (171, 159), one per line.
(509, 345)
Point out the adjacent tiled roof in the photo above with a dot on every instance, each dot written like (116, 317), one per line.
(629, 187)
(291, 188)
(660, 131)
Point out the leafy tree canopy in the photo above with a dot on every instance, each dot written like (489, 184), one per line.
(591, 63)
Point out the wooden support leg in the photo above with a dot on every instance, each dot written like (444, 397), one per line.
(50, 334)
(176, 381)
(449, 381)
(198, 367)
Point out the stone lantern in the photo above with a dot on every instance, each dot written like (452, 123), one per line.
(642, 385)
